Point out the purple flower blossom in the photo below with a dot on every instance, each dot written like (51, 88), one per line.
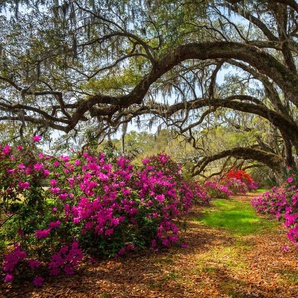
(39, 234)
(21, 166)
(64, 158)
(55, 190)
(6, 150)
(24, 185)
(53, 182)
(13, 258)
(56, 163)
(46, 173)
(38, 166)
(54, 224)
(290, 180)
(36, 138)
(63, 196)
(38, 281)
(9, 278)
(33, 264)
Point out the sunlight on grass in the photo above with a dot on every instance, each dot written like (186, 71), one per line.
(261, 190)
(237, 217)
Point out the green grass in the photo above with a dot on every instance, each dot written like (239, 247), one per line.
(236, 216)
(261, 190)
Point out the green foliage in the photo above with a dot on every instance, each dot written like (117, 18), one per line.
(238, 218)
(54, 209)
(125, 80)
(81, 65)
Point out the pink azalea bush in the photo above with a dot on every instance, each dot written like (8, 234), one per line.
(216, 189)
(58, 210)
(282, 202)
(236, 186)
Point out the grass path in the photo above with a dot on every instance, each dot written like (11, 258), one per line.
(230, 252)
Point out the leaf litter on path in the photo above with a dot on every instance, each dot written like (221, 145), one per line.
(214, 263)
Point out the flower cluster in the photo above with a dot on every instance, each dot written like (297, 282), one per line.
(233, 182)
(236, 186)
(11, 260)
(237, 176)
(60, 208)
(282, 202)
(67, 259)
(217, 189)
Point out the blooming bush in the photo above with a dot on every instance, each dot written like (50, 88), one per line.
(235, 186)
(216, 189)
(241, 178)
(55, 210)
(233, 182)
(282, 202)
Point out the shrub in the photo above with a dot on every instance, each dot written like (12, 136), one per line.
(89, 207)
(232, 183)
(216, 189)
(240, 176)
(282, 202)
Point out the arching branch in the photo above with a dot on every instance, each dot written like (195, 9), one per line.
(272, 160)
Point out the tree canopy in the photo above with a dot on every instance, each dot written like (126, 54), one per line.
(97, 65)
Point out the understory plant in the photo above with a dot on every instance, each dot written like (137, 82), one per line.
(56, 211)
(282, 202)
(234, 181)
(216, 189)
(240, 180)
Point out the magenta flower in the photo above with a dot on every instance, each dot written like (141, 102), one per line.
(46, 173)
(160, 198)
(77, 162)
(38, 281)
(13, 258)
(290, 179)
(39, 234)
(54, 224)
(109, 232)
(55, 190)
(21, 166)
(64, 158)
(36, 138)
(63, 196)
(8, 278)
(53, 182)
(6, 150)
(38, 166)
(33, 264)
(24, 185)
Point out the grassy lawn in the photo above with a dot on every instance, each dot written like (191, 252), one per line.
(261, 190)
(237, 217)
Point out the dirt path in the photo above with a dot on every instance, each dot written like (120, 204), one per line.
(213, 264)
